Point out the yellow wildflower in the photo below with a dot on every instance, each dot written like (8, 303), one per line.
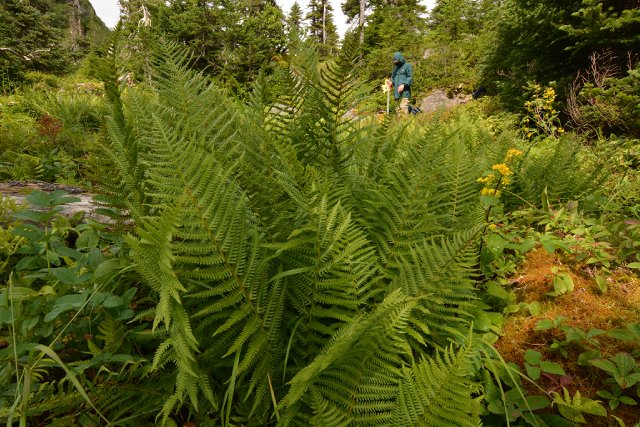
(560, 130)
(549, 93)
(492, 226)
(502, 168)
(511, 154)
(490, 192)
(487, 180)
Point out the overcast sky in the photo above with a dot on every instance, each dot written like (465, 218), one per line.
(109, 11)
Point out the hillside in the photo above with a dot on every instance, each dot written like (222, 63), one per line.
(46, 36)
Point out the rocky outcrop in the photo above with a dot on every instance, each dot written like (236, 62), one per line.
(19, 190)
(438, 100)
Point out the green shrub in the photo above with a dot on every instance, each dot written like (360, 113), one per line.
(610, 106)
(49, 135)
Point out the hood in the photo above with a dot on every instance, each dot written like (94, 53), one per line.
(398, 57)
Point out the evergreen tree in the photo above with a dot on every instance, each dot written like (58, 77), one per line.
(598, 25)
(393, 26)
(322, 31)
(356, 9)
(202, 26)
(231, 40)
(550, 41)
(257, 38)
(294, 23)
(454, 18)
(39, 34)
(452, 51)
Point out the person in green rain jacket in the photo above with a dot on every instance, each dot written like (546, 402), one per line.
(402, 78)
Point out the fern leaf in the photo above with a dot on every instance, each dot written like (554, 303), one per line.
(438, 392)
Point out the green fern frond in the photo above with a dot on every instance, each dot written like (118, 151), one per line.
(438, 392)
(330, 265)
(324, 414)
(357, 372)
(112, 333)
(323, 128)
(557, 168)
(443, 272)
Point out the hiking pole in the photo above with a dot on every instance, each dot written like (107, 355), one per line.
(386, 87)
(388, 94)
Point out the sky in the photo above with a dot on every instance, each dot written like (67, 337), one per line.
(109, 11)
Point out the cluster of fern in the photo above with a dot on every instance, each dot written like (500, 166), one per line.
(301, 264)
(309, 268)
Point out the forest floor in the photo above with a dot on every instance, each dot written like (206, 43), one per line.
(586, 308)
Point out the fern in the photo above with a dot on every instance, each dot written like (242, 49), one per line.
(357, 371)
(444, 274)
(265, 232)
(558, 169)
(438, 392)
(331, 264)
(113, 334)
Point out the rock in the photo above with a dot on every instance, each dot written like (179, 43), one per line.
(438, 100)
(19, 190)
(428, 53)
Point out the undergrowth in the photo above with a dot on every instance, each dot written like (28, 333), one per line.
(286, 263)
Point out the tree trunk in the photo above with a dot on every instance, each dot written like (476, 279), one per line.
(324, 22)
(75, 24)
(361, 20)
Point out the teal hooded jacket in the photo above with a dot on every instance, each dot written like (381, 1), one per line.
(401, 74)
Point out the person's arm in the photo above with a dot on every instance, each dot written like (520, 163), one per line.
(408, 80)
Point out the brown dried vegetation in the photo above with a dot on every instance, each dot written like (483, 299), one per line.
(585, 308)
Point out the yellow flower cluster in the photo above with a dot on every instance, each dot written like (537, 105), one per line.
(487, 180)
(502, 180)
(512, 154)
(549, 94)
(541, 117)
(490, 192)
(502, 168)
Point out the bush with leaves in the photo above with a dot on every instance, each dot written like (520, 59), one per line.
(286, 253)
(610, 105)
(49, 134)
(65, 300)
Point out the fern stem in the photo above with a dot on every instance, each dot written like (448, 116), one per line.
(486, 220)
(13, 328)
(531, 205)
(26, 391)
(273, 398)
(286, 357)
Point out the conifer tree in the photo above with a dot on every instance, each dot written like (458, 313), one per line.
(232, 40)
(356, 9)
(294, 22)
(322, 30)
(549, 41)
(454, 18)
(393, 26)
(257, 38)
(29, 39)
